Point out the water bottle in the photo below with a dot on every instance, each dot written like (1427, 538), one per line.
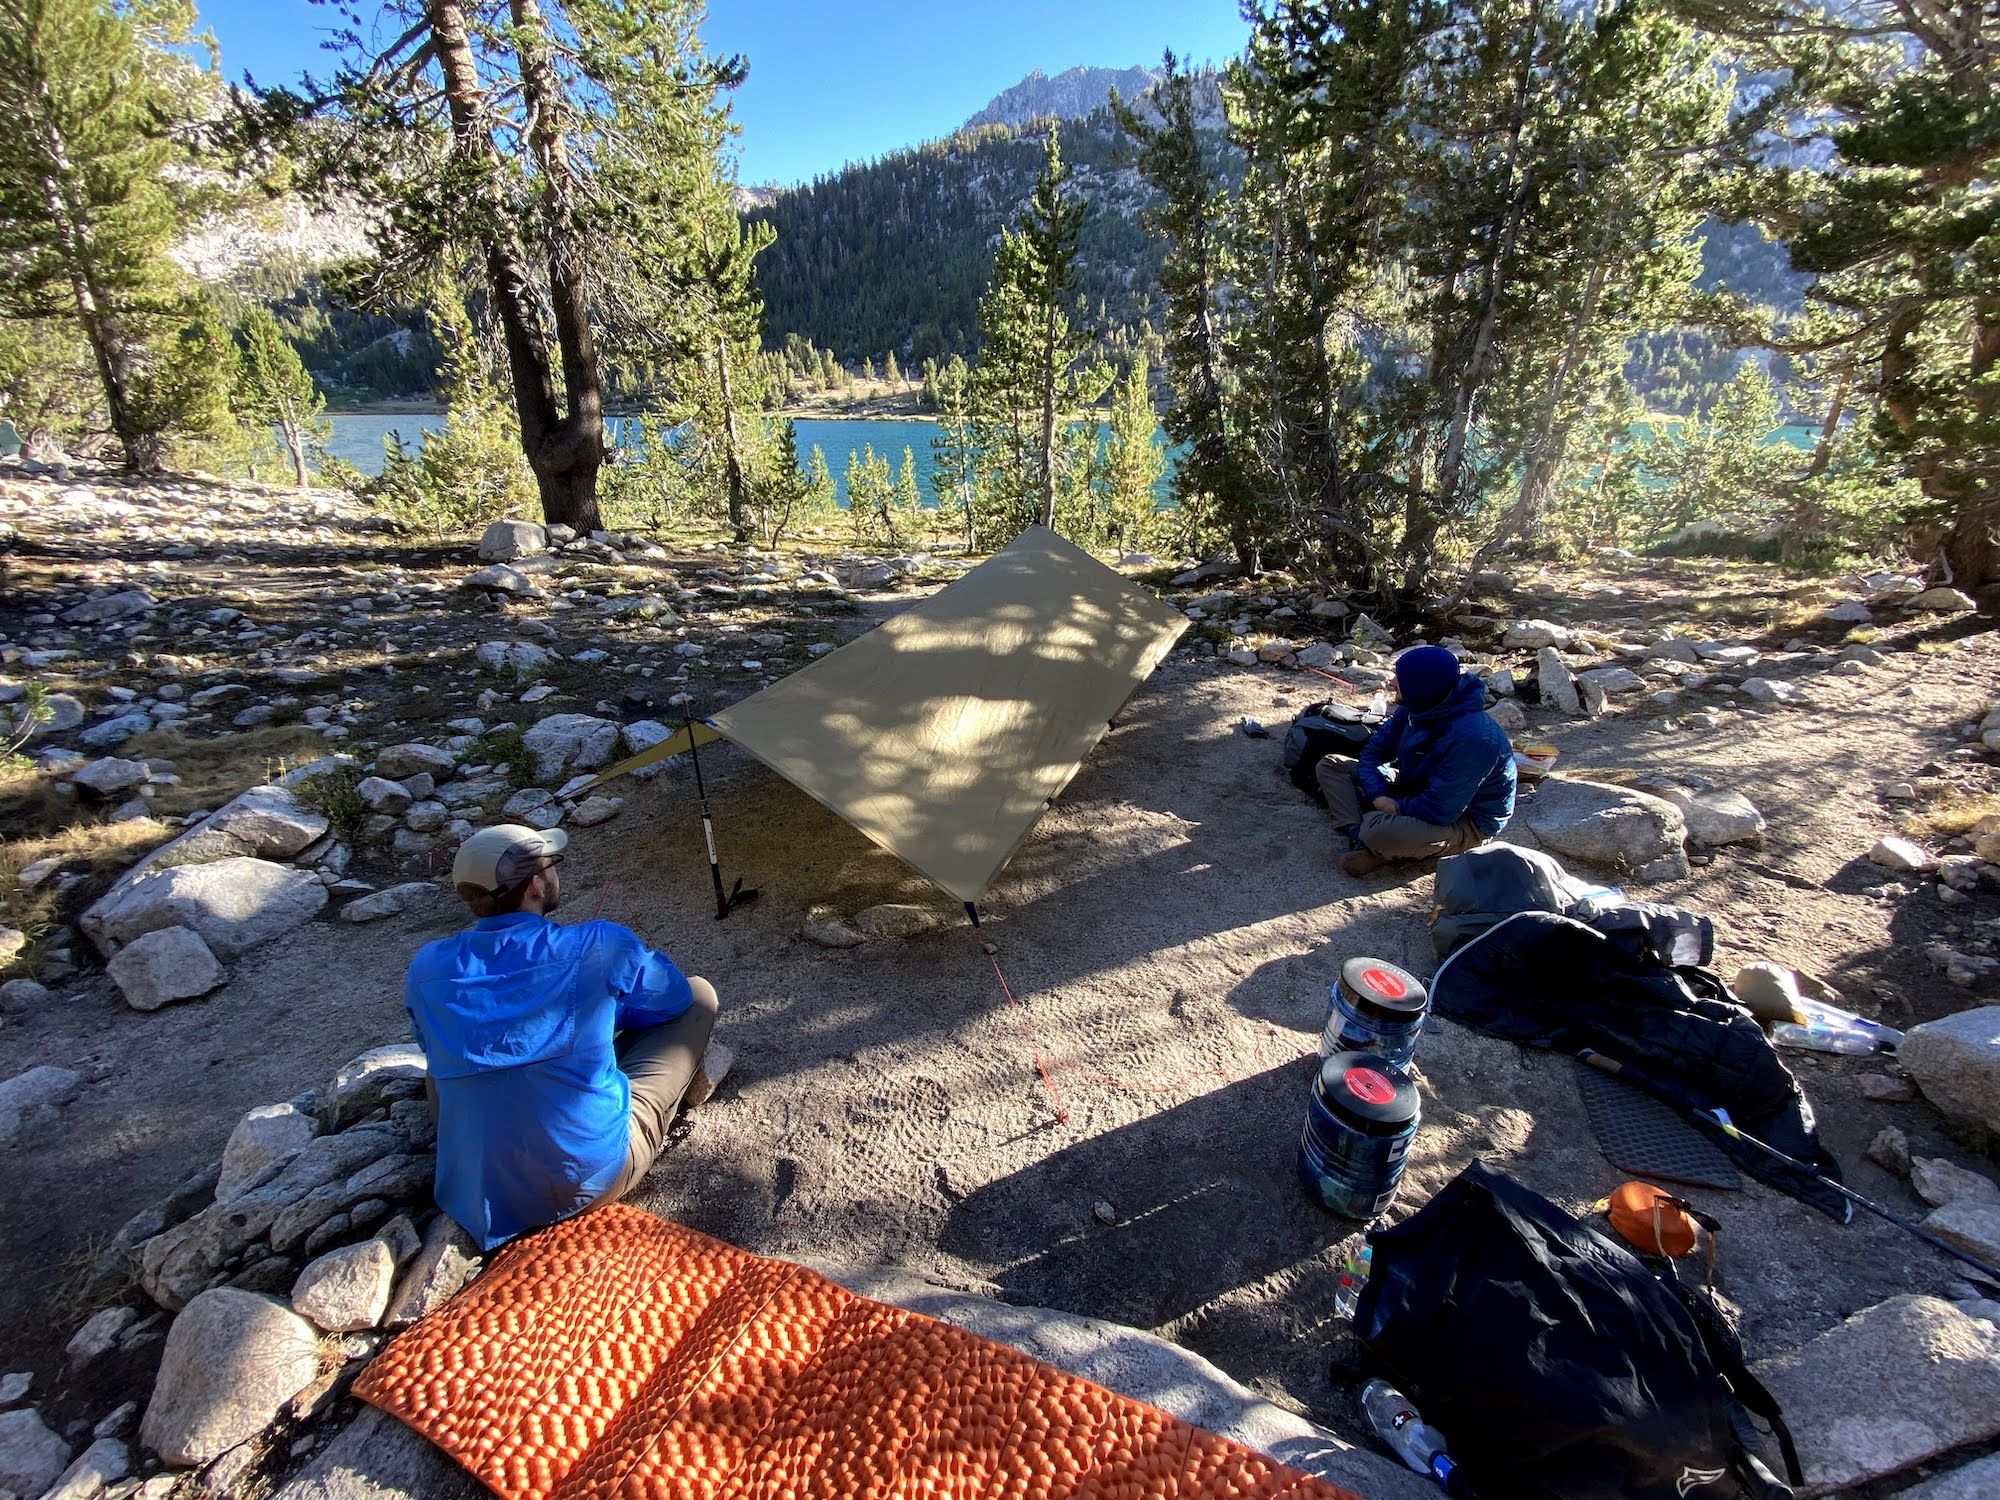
(1828, 1029)
(1353, 1276)
(1397, 1424)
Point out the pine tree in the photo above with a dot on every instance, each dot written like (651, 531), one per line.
(87, 208)
(868, 370)
(1133, 459)
(955, 456)
(820, 490)
(278, 392)
(890, 372)
(909, 494)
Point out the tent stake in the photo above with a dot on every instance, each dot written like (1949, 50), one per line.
(737, 896)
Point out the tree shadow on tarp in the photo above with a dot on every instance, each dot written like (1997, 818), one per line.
(1204, 1196)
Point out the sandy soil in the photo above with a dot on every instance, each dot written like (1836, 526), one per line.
(1170, 931)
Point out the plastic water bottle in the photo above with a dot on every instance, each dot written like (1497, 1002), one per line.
(1397, 1424)
(1829, 1029)
(1352, 1278)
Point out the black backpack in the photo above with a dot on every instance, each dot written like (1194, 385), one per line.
(1553, 1362)
(1320, 730)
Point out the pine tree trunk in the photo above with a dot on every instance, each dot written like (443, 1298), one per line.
(732, 447)
(295, 444)
(1045, 509)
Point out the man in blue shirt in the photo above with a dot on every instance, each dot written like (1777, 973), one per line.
(1436, 778)
(558, 1055)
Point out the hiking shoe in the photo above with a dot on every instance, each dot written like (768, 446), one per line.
(1363, 862)
(708, 1077)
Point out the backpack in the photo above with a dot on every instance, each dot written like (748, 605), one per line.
(1554, 1363)
(1320, 730)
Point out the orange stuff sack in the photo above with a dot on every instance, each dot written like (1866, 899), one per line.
(1651, 1220)
(618, 1355)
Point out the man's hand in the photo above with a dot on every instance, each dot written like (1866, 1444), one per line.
(1385, 804)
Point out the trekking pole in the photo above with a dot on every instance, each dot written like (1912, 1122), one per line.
(737, 896)
(1616, 1069)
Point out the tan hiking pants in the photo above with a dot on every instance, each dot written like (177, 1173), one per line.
(661, 1062)
(1391, 835)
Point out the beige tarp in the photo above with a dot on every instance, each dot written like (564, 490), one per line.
(943, 733)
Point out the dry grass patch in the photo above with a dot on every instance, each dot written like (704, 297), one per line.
(214, 770)
(1957, 813)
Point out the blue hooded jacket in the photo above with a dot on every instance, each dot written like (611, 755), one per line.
(1451, 762)
(517, 1018)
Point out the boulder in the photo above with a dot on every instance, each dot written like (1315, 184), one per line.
(563, 743)
(594, 810)
(1613, 680)
(1939, 1182)
(232, 1361)
(263, 1141)
(1902, 855)
(1972, 1223)
(110, 776)
(27, 1096)
(162, 966)
(1956, 1063)
(1939, 601)
(31, 1457)
(233, 905)
(509, 541)
(1978, 1480)
(447, 1260)
(367, 1082)
(1319, 654)
(107, 607)
(517, 659)
(1529, 635)
(65, 710)
(500, 579)
(99, 1335)
(1714, 815)
(390, 902)
(381, 795)
(1558, 683)
(104, 1463)
(1508, 715)
(1610, 825)
(1895, 1385)
(116, 731)
(400, 761)
(348, 1289)
(1764, 690)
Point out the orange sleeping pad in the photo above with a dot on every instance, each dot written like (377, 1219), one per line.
(620, 1355)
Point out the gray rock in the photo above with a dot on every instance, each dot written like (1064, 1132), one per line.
(594, 810)
(232, 1361)
(501, 579)
(347, 1289)
(1610, 825)
(517, 659)
(23, 994)
(1613, 680)
(1956, 1063)
(115, 732)
(1764, 690)
(1940, 601)
(564, 743)
(264, 1140)
(509, 541)
(399, 761)
(1890, 1150)
(1902, 1382)
(1714, 815)
(1528, 635)
(99, 1335)
(31, 1457)
(108, 607)
(1978, 1480)
(1882, 1088)
(381, 795)
(164, 965)
(1508, 715)
(14, 1387)
(97, 1468)
(1319, 654)
(895, 919)
(1558, 683)
(830, 933)
(378, 1458)
(233, 904)
(426, 817)
(1972, 1223)
(366, 1083)
(110, 776)
(28, 1097)
(1939, 1182)
(390, 902)
(1902, 855)
(447, 1260)
(66, 712)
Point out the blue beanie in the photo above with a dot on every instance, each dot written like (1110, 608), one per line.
(1426, 675)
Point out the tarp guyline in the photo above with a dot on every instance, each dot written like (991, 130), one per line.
(945, 732)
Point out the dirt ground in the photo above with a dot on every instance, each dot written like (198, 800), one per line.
(1169, 932)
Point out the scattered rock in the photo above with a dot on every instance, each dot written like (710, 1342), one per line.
(164, 965)
(1508, 715)
(366, 1083)
(1938, 1182)
(518, 659)
(1610, 825)
(500, 579)
(1902, 1382)
(1895, 852)
(1941, 601)
(1557, 683)
(381, 795)
(1714, 815)
(388, 903)
(447, 1260)
(563, 743)
(114, 732)
(1978, 1480)
(14, 1387)
(347, 1289)
(108, 607)
(1956, 1063)
(509, 541)
(263, 1141)
(104, 1463)
(1529, 635)
(1764, 690)
(1972, 1223)
(898, 920)
(232, 1361)
(1613, 680)
(1883, 1088)
(28, 1096)
(594, 810)
(233, 904)
(400, 761)
(31, 1457)
(1890, 1150)
(99, 1335)
(111, 775)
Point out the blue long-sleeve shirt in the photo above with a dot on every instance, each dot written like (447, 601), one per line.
(1451, 761)
(517, 1017)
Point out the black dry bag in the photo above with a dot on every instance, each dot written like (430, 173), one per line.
(1554, 1363)
(1320, 730)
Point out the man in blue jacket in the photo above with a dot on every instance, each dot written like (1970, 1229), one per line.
(558, 1055)
(1436, 778)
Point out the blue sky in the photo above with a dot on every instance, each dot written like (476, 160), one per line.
(835, 81)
